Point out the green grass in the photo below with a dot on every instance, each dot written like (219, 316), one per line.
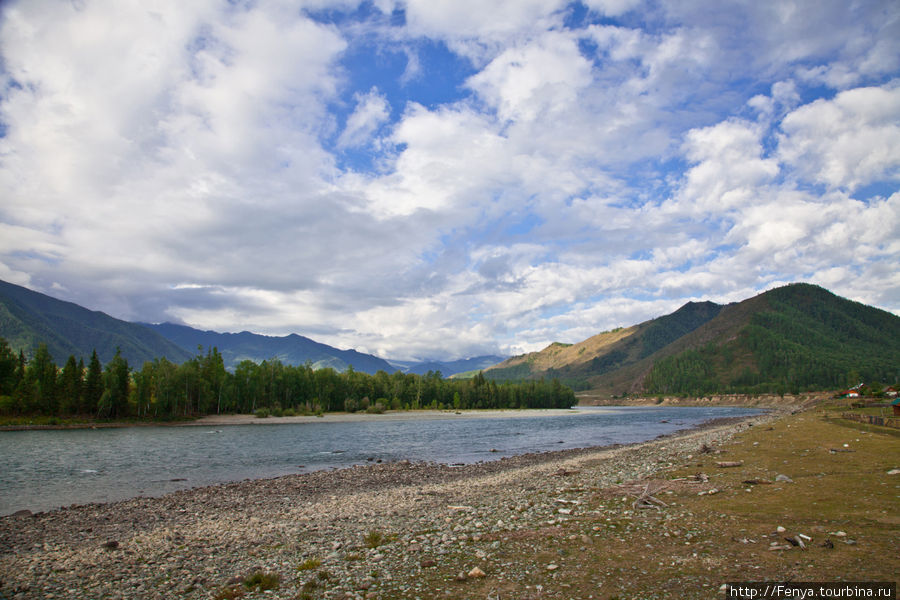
(262, 581)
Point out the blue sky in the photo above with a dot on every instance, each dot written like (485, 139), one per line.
(442, 179)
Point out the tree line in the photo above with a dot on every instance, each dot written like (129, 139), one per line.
(161, 389)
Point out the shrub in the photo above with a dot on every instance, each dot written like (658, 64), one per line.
(262, 413)
(376, 409)
(374, 538)
(309, 564)
(261, 581)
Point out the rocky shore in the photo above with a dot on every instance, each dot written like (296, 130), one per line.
(361, 532)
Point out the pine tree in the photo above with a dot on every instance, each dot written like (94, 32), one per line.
(93, 386)
(70, 383)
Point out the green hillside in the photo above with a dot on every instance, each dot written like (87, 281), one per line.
(576, 364)
(29, 318)
(801, 337)
(794, 338)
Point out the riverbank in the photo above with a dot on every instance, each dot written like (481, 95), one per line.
(793, 401)
(554, 525)
(335, 417)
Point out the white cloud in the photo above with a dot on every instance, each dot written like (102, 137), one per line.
(729, 167)
(371, 111)
(478, 29)
(172, 164)
(847, 142)
(612, 8)
(541, 78)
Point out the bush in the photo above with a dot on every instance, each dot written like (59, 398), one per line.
(261, 581)
(289, 412)
(262, 413)
(309, 564)
(374, 538)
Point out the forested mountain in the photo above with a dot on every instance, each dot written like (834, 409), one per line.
(290, 349)
(449, 367)
(28, 319)
(605, 352)
(794, 338)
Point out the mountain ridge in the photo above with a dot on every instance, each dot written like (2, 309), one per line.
(29, 318)
(791, 338)
(293, 349)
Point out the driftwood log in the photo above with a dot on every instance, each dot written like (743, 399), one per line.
(646, 500)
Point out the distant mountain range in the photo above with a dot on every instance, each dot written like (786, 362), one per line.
(792, 338)
(291, 349)
(448, 368)
(29, 318)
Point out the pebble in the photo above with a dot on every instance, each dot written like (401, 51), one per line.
(476, 573)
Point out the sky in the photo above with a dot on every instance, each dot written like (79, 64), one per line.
(446, 178)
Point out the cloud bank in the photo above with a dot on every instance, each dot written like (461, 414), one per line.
(441, 179)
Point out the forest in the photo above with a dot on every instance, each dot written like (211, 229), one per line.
(162, 390)
(801, 344)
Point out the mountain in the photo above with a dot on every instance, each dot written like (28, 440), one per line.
(607, 351)
(28, 318)
(791, 338)
(449, 367)
(291, 349)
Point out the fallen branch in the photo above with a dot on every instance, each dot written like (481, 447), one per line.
(646, 500)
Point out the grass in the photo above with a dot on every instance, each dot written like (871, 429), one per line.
(374, 538)
(262, 581)
(309, 564)
(612, 550)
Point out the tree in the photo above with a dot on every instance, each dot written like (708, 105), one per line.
(8, 364)
(41, 374)
(71, 380)
(114, 402)
(93, 386)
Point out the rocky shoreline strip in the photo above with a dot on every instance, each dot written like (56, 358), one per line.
(364, 531)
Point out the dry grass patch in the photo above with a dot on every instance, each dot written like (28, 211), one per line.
(610, 549)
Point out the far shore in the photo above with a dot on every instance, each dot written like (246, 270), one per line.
(335, 417)
(587, 399)
(398, 415)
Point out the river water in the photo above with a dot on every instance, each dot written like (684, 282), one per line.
(42, 470)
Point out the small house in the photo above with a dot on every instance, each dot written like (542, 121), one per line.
(890, 392)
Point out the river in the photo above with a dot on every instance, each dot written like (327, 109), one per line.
(42, 470)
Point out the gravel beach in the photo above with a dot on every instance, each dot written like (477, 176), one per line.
(361, 532)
